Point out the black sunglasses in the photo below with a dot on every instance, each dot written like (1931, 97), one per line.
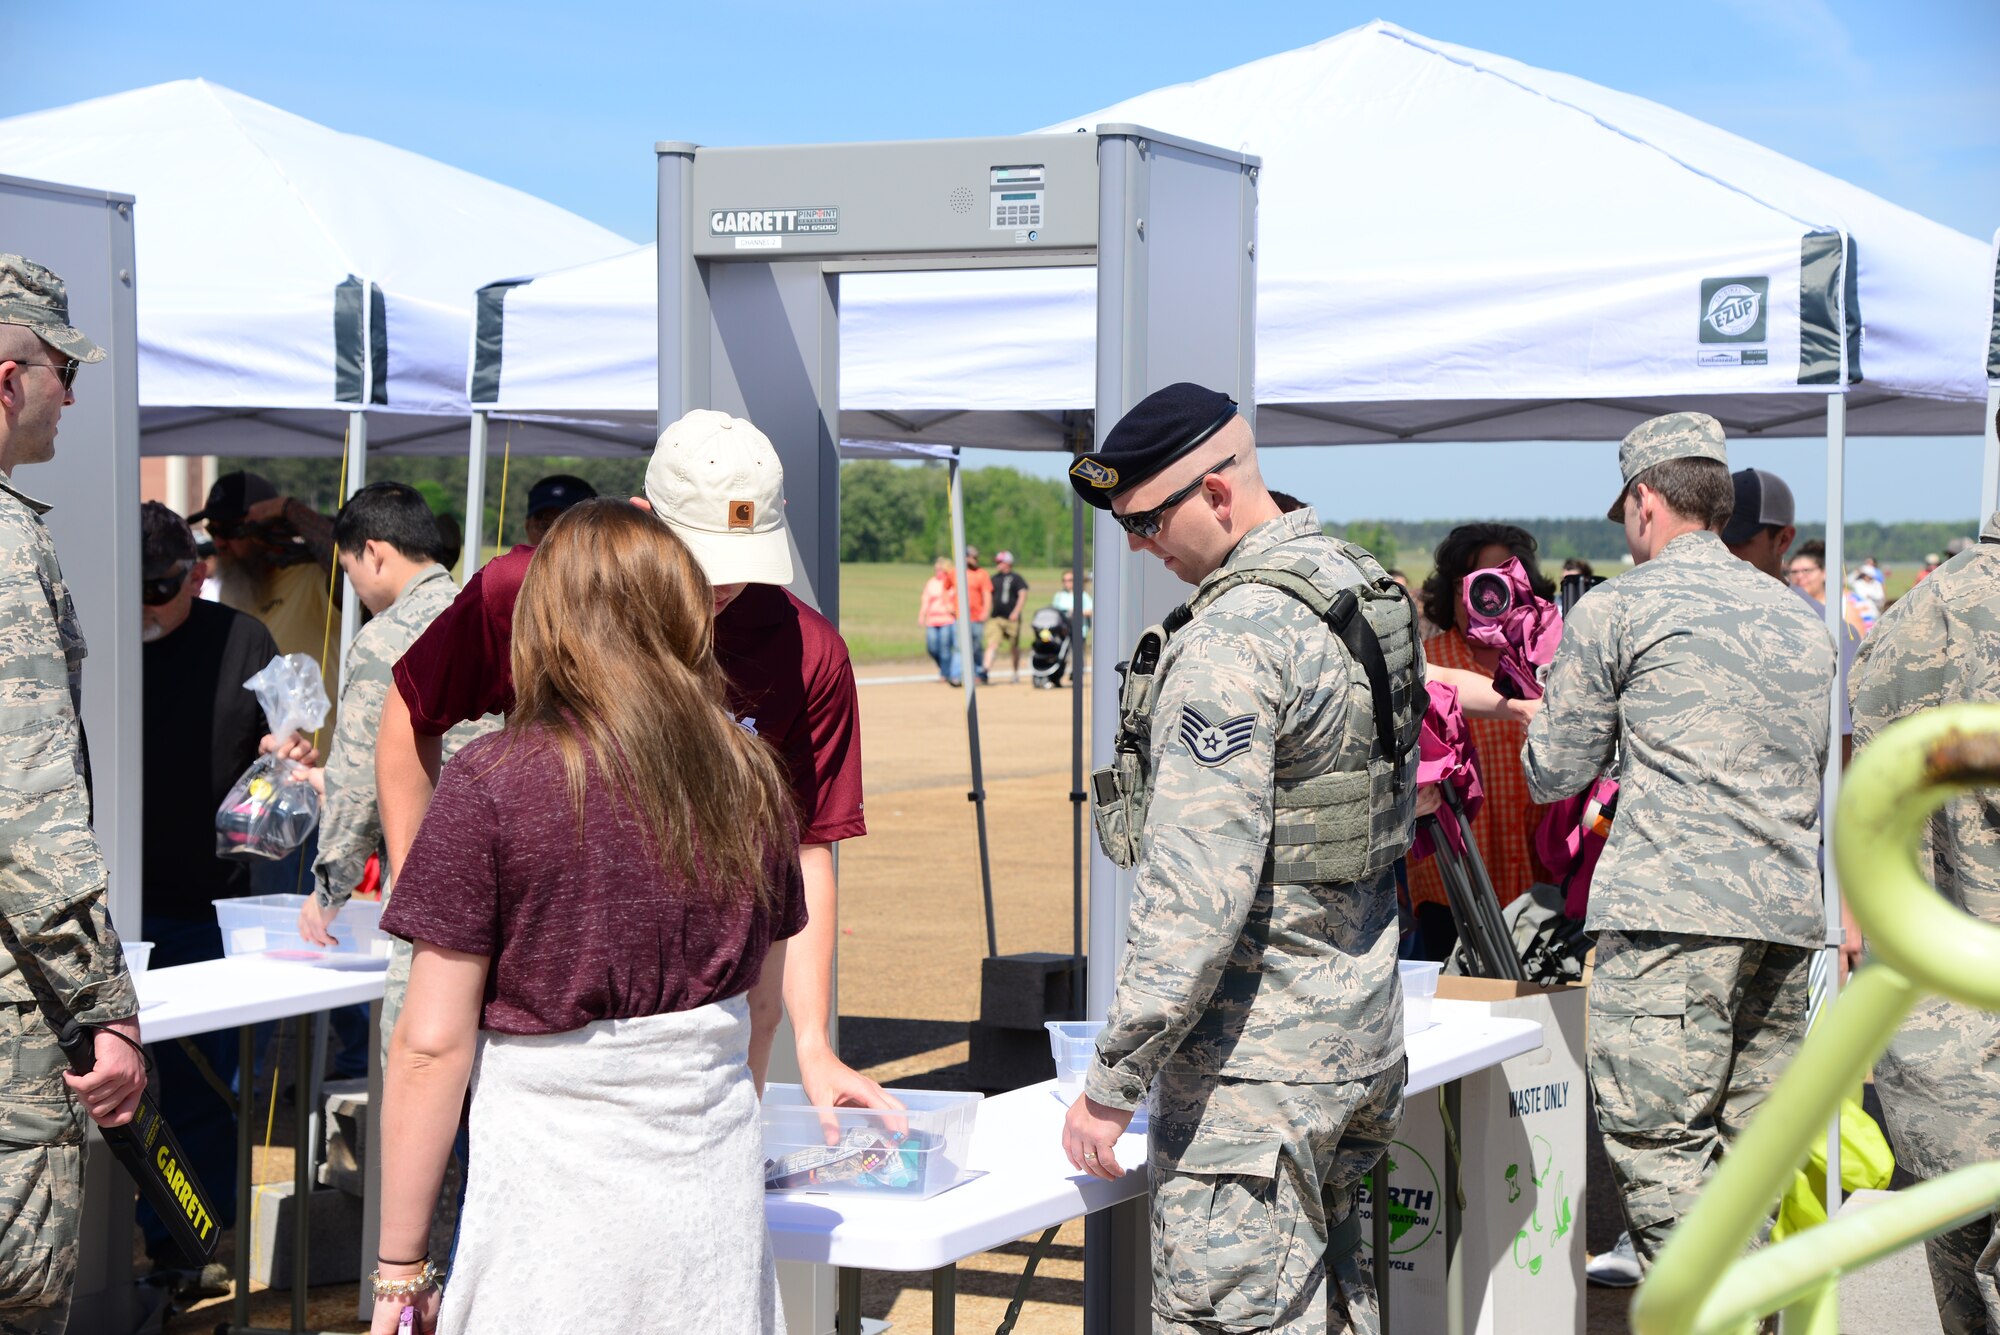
(157, 590)
(65, 370)
(1145, 523)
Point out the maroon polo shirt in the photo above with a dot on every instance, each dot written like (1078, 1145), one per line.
(789, 680)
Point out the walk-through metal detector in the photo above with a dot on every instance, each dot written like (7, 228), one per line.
(752, 244)
(86, 236)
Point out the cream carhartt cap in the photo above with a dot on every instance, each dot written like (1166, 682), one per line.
(717, 483)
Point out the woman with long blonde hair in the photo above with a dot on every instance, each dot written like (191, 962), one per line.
(598, 898)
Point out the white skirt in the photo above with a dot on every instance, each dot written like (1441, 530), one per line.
(616, 1183)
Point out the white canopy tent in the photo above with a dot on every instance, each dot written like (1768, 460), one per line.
(288, 274)
(1453, 246)
(297, 287)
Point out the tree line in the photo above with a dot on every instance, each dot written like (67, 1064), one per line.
(902, 512)
(1595, 540)
(888, 511)
(899, 512)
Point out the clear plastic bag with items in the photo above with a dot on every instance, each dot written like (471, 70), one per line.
(273, 807)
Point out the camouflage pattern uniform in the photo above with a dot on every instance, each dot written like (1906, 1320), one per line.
(1940, 1079)
(52, 879)
(1711, 684)
(1267, 1019)
(350, 823)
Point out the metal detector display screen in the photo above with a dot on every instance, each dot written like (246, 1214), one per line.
(1016, 197)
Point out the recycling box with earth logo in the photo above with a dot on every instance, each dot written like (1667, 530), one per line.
(1523, 1139)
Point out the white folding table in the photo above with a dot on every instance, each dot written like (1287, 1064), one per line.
(1019, 1182)
(241, 993)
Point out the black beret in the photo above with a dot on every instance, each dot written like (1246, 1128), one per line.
(1161, 428)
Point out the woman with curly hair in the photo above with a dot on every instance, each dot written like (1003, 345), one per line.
(1505, 825)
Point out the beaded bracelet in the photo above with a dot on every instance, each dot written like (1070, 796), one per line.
(423, 1280)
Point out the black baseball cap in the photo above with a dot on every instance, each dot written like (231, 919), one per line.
(1762, 501)
(165, 544)
(231, 498)
(558, 492)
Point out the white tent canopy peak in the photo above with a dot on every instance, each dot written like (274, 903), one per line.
(1452, 246)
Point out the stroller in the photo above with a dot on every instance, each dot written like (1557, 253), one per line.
(1049, 652)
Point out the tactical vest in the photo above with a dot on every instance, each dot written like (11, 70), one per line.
(1345, 824)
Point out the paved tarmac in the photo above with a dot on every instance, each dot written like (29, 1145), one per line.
(1890, 1296)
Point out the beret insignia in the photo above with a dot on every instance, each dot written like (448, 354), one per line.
(1095, 473)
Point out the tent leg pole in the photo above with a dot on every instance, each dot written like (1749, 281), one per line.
(1078, 794)
(968, 675)
(475, 499)
(1989, 473)
(1836, 582)
(357, 478)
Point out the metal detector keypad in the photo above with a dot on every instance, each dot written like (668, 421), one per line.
(1016, 195)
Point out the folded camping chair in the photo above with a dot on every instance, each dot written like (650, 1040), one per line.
(1447, 757)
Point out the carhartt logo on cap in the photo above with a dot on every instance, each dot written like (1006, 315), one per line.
(1095, 473)
(742, 514)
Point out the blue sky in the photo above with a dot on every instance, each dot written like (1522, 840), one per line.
(565, 101)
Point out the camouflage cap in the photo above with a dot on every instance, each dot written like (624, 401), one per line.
(33, 296)
(1675, 436)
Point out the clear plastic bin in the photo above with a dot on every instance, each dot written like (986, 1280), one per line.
(917, 1152)
(138, 954)
(1072, 1043)
(268, 925)
(1420, 985)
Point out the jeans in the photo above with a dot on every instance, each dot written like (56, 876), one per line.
(941, 643)
(978, 648)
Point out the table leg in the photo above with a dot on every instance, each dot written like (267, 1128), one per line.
(1454, 1186)
(1378, 1191)
(847, 1311)
(1118, 1270)
(302, 1157)
(944, 1300)
(246, 1084)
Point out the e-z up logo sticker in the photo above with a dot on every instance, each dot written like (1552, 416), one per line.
(757, 222)
(1733, 309)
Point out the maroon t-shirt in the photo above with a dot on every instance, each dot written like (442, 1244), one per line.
(789, 679)
(580, 926)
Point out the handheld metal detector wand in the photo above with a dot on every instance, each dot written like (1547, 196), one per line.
(147, 1148)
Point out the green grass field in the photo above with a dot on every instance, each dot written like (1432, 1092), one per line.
(878, 607)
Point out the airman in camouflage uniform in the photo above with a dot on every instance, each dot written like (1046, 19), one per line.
(1709, 685)
(1257, 998)
(1940, 1079)
(350, 824)
(52, 878)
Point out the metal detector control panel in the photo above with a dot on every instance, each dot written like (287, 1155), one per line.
(1036, 192)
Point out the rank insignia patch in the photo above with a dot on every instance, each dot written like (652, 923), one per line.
(1213, 743)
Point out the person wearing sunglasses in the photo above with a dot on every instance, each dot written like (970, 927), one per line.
(53, 916)
(200, 730)
(1264, 788)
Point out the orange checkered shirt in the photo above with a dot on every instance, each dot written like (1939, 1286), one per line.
(1505, 825)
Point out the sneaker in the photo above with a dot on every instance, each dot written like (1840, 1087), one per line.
(1615, 1269)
